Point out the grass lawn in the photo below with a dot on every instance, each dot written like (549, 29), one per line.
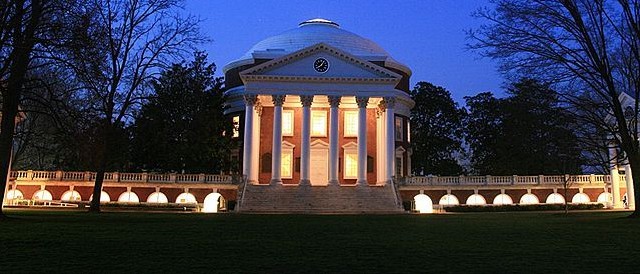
(593, 242)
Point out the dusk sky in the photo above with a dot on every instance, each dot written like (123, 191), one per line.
(428, 36)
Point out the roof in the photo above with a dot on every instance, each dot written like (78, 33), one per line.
(311, 32)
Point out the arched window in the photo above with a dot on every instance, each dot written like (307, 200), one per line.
(423, 203)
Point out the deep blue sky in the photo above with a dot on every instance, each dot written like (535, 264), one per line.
(428, 36)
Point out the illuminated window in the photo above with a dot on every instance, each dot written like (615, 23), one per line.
(319, 123)
(350, 123)
(286, 164)
(236, 126)
(287, 123)
(399, 129)
(350, 161)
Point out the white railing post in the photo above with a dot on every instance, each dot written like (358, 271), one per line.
(58, 175)
(540, 179)
(145, 177)
(514, 179)
(173, 177)
(488, 180)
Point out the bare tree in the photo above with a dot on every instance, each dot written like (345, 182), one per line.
(20, 21)
(115, 49)
(590, 49)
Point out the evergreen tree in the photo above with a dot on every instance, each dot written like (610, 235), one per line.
(436, 131)
(183, 128)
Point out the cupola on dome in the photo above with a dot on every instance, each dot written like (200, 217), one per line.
(311, 32)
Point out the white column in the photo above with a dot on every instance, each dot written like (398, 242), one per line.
(380, 151)
(250, 100)
(276, 148)
(390, 138)
(615, 177)
(305, 152)
(334, 102)
(255, 156)
(362, 140)
(631, 199)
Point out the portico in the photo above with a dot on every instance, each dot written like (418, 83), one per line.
(327, 127)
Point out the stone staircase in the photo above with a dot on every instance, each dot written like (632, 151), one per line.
(319, 199)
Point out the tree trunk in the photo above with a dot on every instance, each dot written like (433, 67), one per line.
(634, 162)
(103, 155)
(20, 54)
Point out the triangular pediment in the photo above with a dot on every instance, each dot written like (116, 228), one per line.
(299, 66)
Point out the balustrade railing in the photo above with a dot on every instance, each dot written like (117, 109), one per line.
(509, 180)
(31, 175)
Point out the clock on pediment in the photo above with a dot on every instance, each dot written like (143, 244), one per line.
(321, 65)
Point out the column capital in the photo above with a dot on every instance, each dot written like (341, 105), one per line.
(278, 100)
(250, 99)
(388, 102)
(362, 101)
(306, 100)
(334, 101)
(258, 107)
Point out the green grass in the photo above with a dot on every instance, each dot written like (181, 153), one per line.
(37, 241)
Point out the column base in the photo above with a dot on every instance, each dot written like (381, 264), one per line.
(277, 182)
(362, 183)
(305, 183)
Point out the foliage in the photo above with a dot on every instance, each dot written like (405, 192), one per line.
(182, 128)
(527, 133)
(436, 128)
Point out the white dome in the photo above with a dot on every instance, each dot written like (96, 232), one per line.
(312, 32)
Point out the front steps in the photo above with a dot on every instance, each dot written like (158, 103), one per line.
(319, 199)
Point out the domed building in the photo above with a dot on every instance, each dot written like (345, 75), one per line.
(320, 106)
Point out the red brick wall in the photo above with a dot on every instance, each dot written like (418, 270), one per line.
(28, 191)
(57, 191)
(489, 194)
(143, 192)
(85, 192)
(462, 195)
(435, 195)
(114, 192)
(516, 194)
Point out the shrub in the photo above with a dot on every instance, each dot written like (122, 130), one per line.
(505, 208)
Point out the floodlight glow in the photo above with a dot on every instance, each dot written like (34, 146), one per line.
(555, 198)
(186, 198)
(502, 199)
(449, 199)
(42, 195)
(211, 203)
(423, 203)
(71, 195)
(157, 198)
(580, 198)
(605, 198)
(104, 197)
(476, 199)
(529, 199)
(128, 197)
(14, 194)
